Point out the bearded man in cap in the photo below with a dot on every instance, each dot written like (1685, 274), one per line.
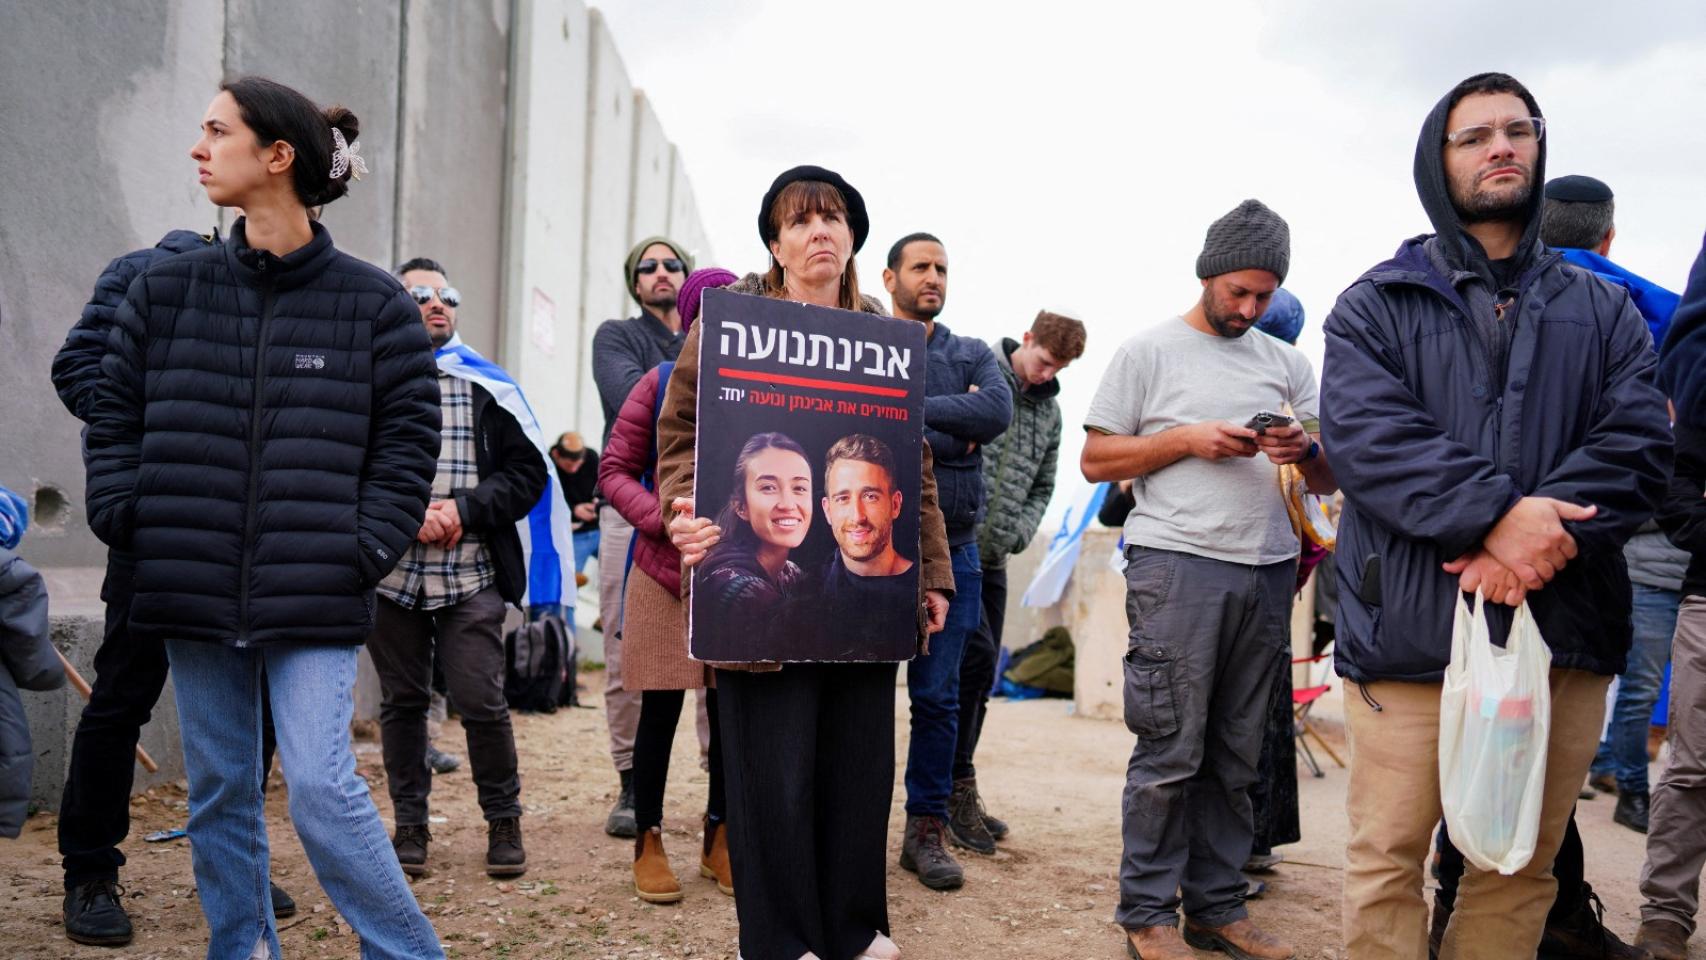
(622, 352)
(1496, 428)
(1211, 561)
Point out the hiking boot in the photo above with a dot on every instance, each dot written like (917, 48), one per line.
(1241, 939)
(925, 852)
(965, 819)
(620, 823)
(283, 906)
(1160, 942)
(442, 762)
(1603, 782)
(94, 915)
(714, 857)
(654, 881)
(1664, 939)
(1583, 935)
(504, 854)
(1632, 811)
(410, 841)
(997, 828)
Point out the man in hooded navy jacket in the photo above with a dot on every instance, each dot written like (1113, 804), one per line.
(1496, 427)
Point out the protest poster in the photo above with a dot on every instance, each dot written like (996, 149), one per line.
(809, 458)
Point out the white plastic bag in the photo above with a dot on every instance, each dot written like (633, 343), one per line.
(1495, 713)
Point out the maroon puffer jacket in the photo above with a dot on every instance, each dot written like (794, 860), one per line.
(627, 455)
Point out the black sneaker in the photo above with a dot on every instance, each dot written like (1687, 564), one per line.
(925, 852)
(965, 819)
(504, 854)
(1583, 934)
(282, 905)
(410, 841)
(620, 823)
(95, 916)
(1632, 811)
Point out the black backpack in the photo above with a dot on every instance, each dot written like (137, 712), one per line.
(539, 667)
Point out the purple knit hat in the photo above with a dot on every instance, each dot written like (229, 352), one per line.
(697, 282)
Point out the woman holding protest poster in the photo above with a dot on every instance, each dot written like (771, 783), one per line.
(808, 747)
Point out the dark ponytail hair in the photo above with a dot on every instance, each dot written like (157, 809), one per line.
(277, 112)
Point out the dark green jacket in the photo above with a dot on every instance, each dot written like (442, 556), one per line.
(1019, 466)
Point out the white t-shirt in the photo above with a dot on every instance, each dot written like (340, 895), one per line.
(1173, 374)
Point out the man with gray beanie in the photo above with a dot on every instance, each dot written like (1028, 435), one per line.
(1199, 410)
(622, 352)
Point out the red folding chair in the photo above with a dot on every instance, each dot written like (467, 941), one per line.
(1302, 701)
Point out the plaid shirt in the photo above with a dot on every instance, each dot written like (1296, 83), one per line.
(429, 577)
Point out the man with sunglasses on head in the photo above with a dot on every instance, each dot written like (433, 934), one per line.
(622, 352)
(1495, 427)
(447, 598)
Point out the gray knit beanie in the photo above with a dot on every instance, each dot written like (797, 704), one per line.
(1251, 237)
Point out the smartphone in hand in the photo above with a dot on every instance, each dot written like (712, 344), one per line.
(1265, 419)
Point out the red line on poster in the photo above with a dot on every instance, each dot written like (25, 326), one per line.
(835, 385)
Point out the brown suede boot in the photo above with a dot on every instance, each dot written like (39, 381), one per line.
(714, 858)
(1664, 939)
(1160, 942)
(654, 881)
(1240, 939)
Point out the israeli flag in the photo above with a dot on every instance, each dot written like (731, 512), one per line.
(547, 531)
(1055, 572)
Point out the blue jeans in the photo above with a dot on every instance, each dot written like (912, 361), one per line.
(219, 715)
(586, 547)
(934, 684)
(1623, 753)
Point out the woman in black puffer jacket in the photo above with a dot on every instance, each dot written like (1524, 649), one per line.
(264, 444)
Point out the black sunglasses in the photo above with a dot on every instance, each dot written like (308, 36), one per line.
(649, 266)
(449, 296)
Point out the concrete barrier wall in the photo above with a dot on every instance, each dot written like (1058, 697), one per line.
(609, 176)
(547, 208)
(452, 162)
(500, 138)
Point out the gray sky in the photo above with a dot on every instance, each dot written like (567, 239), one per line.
(1071, 154)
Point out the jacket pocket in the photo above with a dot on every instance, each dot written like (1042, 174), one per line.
(1149, 708)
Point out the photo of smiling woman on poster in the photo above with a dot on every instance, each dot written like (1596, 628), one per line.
(748, 577)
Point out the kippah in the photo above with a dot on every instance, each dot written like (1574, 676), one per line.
(1578, 189)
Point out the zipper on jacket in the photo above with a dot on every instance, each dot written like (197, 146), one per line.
(254, 463)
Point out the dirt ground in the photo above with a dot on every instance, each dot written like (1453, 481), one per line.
(1049, 893)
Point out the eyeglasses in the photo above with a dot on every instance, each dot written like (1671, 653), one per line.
(449, 296)
(567, 454)
(649, 266)
(1520, 133)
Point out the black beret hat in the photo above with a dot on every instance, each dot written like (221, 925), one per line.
(1577, 189)
(857, 220)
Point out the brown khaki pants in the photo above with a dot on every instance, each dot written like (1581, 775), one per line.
(1394, 805)
(1676, 844)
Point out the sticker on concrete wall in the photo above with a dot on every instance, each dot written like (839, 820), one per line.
(542, 328)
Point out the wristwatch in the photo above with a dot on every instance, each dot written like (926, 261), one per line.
(1314, 451)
